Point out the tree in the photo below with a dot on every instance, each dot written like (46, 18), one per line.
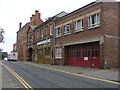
(1, 35)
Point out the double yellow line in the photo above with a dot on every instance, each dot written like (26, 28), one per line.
(22, 81)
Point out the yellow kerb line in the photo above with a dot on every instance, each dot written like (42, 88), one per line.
(25, 84)
(90, 77)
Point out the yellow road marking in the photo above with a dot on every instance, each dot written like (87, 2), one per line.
(23, 82)
(90, 77)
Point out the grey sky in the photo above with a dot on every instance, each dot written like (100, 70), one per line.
(14, 11)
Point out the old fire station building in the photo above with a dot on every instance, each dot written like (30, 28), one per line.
(26, 38)
(86, 37)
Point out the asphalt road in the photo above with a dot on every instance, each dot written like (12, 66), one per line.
(38, 77)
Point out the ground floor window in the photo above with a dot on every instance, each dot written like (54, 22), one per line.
(47, 52)
(58, 53)
(72, 51)
(95, 49)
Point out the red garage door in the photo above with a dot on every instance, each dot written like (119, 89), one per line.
(85, 55)
(95, 55)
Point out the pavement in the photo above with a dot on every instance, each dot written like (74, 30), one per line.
(0, 77)
(7, 80)
(107, 74)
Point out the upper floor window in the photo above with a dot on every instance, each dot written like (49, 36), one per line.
(41, 32)
(51, 29)
(67, 29)
(58, 32)
(37, 34)
(46, 30)
(78, 25)
(30, 37)
(94, 21)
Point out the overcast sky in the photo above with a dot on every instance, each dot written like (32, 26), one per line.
(14, 11)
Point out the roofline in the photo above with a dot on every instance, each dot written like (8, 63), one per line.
(64, 15)
(69, 14)
(44, 23)
(80, 9)
(51, 19)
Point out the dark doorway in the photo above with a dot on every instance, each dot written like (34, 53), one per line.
(30, 54)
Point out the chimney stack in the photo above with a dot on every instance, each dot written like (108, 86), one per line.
(30, 19)
(35, 19)
(20, 25)
(37, 16)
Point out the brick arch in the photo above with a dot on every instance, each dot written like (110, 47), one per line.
(30, 51)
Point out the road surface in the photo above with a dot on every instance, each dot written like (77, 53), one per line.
(38, 77)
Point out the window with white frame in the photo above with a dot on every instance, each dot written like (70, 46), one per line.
(78, 25)
(46, 30)
(41, 32)
(38, 34)
(58, 52)
(94, 21)
(51, 29)
(67, 29)
(58, 32)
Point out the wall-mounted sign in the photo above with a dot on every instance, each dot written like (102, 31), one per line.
(44, 42)
(85, 58)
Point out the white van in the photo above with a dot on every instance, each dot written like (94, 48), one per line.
(5, 59)
(13, 56)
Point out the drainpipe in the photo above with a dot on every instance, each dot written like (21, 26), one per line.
(102, 53)
(53, 43)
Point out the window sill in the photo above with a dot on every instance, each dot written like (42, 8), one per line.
(58, 36)
(79, 30)
(96, 26)
(58, 57)
(65, 34)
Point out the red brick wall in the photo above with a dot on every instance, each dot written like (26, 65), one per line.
(22, 36)
(75, 37)
(110, 26)
(24, 42)
(119, 34)
(86, 33)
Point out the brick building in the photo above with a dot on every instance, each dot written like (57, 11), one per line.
(88, 37)
(14, 47)
(44, 40)
(25, 38)
(119, 35)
